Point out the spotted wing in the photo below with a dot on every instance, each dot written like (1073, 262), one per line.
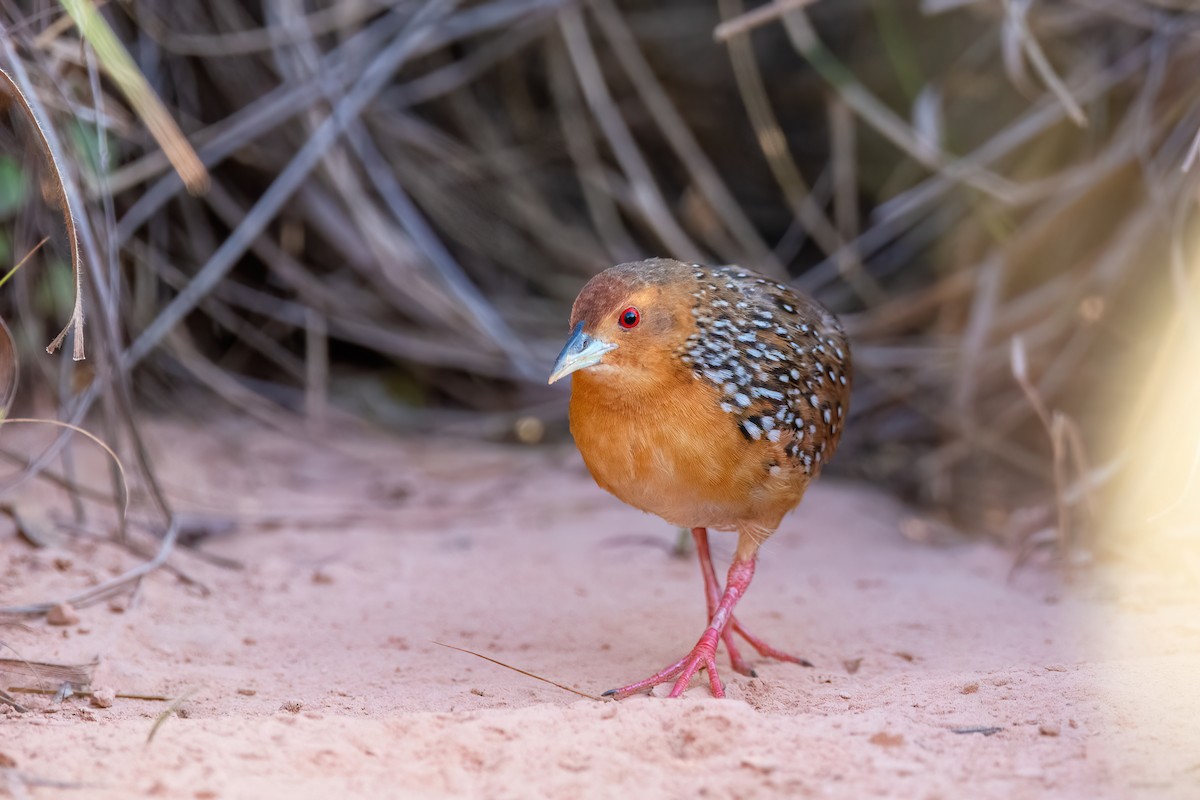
(779, 359)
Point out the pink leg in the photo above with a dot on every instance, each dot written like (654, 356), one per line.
(713, 591)
(703, 655)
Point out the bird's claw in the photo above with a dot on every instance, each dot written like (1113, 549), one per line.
(765, 650)
(703, 656)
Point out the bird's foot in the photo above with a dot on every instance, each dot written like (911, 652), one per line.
(765, 650)
(739, 664)
(712, 590)
(703, 656)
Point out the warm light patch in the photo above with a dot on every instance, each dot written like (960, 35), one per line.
(1148, 627)
(1157, 497)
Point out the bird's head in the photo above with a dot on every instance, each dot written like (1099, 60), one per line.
(628, 321)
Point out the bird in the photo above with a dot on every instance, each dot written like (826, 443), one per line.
(710, 396)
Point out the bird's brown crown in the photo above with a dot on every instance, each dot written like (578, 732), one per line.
(659, 292)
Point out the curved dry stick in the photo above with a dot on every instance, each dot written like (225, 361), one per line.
(76, 322)
(1015, 13)
(102, 590)
(123, 497)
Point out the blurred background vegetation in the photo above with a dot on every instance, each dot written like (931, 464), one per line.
(384, 210)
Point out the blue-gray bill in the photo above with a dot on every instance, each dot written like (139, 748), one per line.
(579, 352)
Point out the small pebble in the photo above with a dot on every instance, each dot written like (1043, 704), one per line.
(529, 430)
(247, 692)
(1048, 729)
(62, 614)
(970, 688)
(103, 697)
(885, 739)
(765, 765)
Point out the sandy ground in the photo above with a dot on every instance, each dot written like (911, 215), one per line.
(311, 672)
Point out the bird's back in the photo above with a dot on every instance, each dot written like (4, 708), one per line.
(750, 405)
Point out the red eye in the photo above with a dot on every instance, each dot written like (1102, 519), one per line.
(630, 318)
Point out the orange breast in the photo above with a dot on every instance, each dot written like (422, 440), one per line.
(673, 452)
